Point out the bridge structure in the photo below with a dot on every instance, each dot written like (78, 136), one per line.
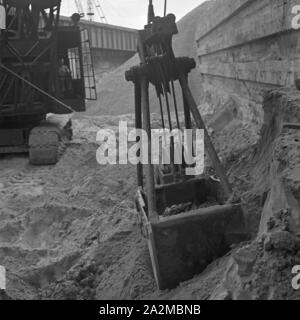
(110, 45)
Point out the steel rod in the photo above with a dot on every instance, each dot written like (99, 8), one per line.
(161, 112)
(175, 104)
(187, 112)
(36, 87)
(207, 141)
(172, 147)
(138, 125)
(149, 168)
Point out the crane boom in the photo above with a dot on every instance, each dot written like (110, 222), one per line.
(90, 10)
(90, 6)
(100, 11)
(79, 8)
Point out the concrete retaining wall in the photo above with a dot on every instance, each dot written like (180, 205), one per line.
(246, 47)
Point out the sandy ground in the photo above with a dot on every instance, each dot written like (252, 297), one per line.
(62, 221)
(70, 231)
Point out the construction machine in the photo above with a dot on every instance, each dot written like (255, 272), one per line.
(45, 69)
(188, 221)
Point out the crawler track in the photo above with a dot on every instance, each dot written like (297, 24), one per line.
(47, 141)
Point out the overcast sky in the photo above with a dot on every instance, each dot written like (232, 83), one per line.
(133, 13)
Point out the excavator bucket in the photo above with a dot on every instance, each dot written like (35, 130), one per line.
(183, 244)
(186, 220)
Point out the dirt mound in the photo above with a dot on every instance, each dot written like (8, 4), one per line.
(269, 175)
(116, 95)
(70, 231)
(262, 270)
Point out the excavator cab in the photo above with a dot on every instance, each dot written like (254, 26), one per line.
(39, 51)
(44, 68)
(76, 77)
(70, 77)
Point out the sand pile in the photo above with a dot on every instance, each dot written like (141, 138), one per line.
(262, 270)
(269, 175)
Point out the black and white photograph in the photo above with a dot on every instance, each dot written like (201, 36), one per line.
(149, 155)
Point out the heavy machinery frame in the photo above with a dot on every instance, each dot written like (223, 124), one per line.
(44, 68)
(184, 231)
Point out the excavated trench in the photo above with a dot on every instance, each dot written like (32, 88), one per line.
(70, 231)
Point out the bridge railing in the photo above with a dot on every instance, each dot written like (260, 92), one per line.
(106, 36)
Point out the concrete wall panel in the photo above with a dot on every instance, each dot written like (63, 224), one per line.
(246, 47)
